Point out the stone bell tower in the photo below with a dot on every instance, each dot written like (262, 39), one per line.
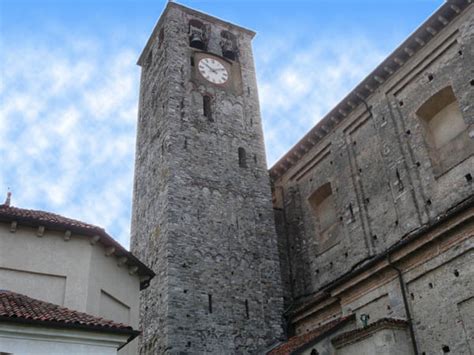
(202, 214)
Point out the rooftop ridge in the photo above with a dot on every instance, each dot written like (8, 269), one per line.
(40, 214)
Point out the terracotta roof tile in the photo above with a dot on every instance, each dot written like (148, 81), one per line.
(296, 342)
(46, 217)
(16, 307)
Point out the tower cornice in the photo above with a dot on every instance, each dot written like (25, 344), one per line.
(192, 12)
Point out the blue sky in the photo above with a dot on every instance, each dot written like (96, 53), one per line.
(69, 86)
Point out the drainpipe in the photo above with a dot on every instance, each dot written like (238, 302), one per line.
(399, 272)
(405, 303)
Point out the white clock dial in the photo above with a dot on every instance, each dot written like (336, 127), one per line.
(213, 70)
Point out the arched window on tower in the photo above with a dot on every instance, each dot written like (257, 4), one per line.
(445, 130)
(228, 45)
(242, 158)
(197, 34)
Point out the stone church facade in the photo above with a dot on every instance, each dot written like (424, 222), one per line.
(368, 248)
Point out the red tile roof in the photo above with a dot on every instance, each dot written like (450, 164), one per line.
(57, 222)
(18, 308)
(297, 342)
(49, 218)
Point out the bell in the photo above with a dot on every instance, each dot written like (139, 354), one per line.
(228, 49)
(229, 54)
(196, 41)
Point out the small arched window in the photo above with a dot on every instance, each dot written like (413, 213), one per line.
(242, 158)
(197, 34)
(228, 45)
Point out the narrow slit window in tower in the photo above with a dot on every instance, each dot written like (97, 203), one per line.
(242, 158)
(161, 38)
(209, 300)
(206, 107)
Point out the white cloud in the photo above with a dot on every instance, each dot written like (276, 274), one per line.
(68, 114)
(112, 95)
(67, 124)
(299, 84)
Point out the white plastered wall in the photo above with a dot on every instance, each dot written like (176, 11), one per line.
(33, 340)
(72, 273)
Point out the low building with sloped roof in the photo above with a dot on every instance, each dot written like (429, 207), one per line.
(71, 264)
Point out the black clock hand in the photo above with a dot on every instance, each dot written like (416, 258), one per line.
(213, 70)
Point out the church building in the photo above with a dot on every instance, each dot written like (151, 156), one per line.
(359, 240)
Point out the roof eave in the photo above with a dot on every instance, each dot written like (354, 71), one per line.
(77, 326)
(368, 85)
(105, 239)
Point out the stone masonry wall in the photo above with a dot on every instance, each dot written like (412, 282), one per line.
(200, 221)
(381, 169)
(390, 183)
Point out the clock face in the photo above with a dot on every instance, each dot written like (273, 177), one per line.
(213, 70)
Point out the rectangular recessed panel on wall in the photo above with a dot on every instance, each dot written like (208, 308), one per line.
(45, 287)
